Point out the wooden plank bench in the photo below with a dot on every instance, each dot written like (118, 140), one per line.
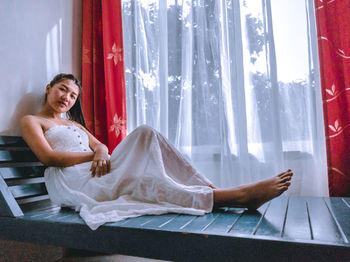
(287, 228)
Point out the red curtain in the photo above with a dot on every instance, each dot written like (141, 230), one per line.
(103, 81)
(333, 26)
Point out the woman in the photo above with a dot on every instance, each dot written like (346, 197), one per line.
(144, 175)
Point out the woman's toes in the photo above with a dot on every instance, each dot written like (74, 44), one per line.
(289, 174)
(284, 184)
(283, 188)
(287, 178)
(282, 174)
(285, 173)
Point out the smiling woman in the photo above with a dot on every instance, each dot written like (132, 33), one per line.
(63, 95)
(68, 92)
(144, 175)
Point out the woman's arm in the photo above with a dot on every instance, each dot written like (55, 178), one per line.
(101, 162)
(33, 134)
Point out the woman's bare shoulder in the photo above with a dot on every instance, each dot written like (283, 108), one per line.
(29, 119)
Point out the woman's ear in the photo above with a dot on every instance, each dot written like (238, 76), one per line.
(47, 89)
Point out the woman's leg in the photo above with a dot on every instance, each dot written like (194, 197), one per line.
(254, 195)
(165, 161)
(176, 166)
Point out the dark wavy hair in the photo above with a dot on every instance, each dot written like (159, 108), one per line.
(76, 112)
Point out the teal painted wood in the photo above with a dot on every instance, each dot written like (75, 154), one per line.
(322, 223)
(38, 206)
(22, 191)
(69, 216)
(118, 223)
(17, 156)
(22, 172)
(160, 221)
(138, 221)
(249, 221)
(297, 221)
(42, 215)
(5, 210)
(19, 164)
(341, 214)
(8, 204)
(18, 168)
(298, 228)
(178, 223)
(346, 201)
(62, 215)
(223, 223)
(169, 245)
(66, 225)
(200, 223)
(272, 222)
(12, 141)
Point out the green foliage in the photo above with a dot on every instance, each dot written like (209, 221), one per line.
(256, 36)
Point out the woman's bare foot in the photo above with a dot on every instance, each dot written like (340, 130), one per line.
(212, 186)
(254, 195)
(261, 192)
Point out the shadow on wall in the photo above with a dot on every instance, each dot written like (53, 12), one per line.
(29, 104)
(39, 39)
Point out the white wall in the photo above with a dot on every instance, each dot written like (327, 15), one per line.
(38, 39)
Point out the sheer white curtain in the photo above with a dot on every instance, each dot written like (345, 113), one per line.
(233, 84)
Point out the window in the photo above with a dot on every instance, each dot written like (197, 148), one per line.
(233, 84)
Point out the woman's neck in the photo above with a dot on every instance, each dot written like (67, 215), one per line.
(48, 112)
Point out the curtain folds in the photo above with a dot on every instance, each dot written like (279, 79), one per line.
(233, 84)
(333, 26)
(103, 78)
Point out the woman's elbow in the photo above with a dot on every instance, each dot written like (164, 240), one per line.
(48, 161)
(52, 160)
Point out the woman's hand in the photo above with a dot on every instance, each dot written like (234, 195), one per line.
(101, 164)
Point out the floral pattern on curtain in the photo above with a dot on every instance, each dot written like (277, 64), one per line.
(333, 24)
(103, 71)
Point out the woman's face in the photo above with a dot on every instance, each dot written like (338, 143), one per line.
(63, 95)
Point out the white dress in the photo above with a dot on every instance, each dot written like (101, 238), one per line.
(148, 176)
